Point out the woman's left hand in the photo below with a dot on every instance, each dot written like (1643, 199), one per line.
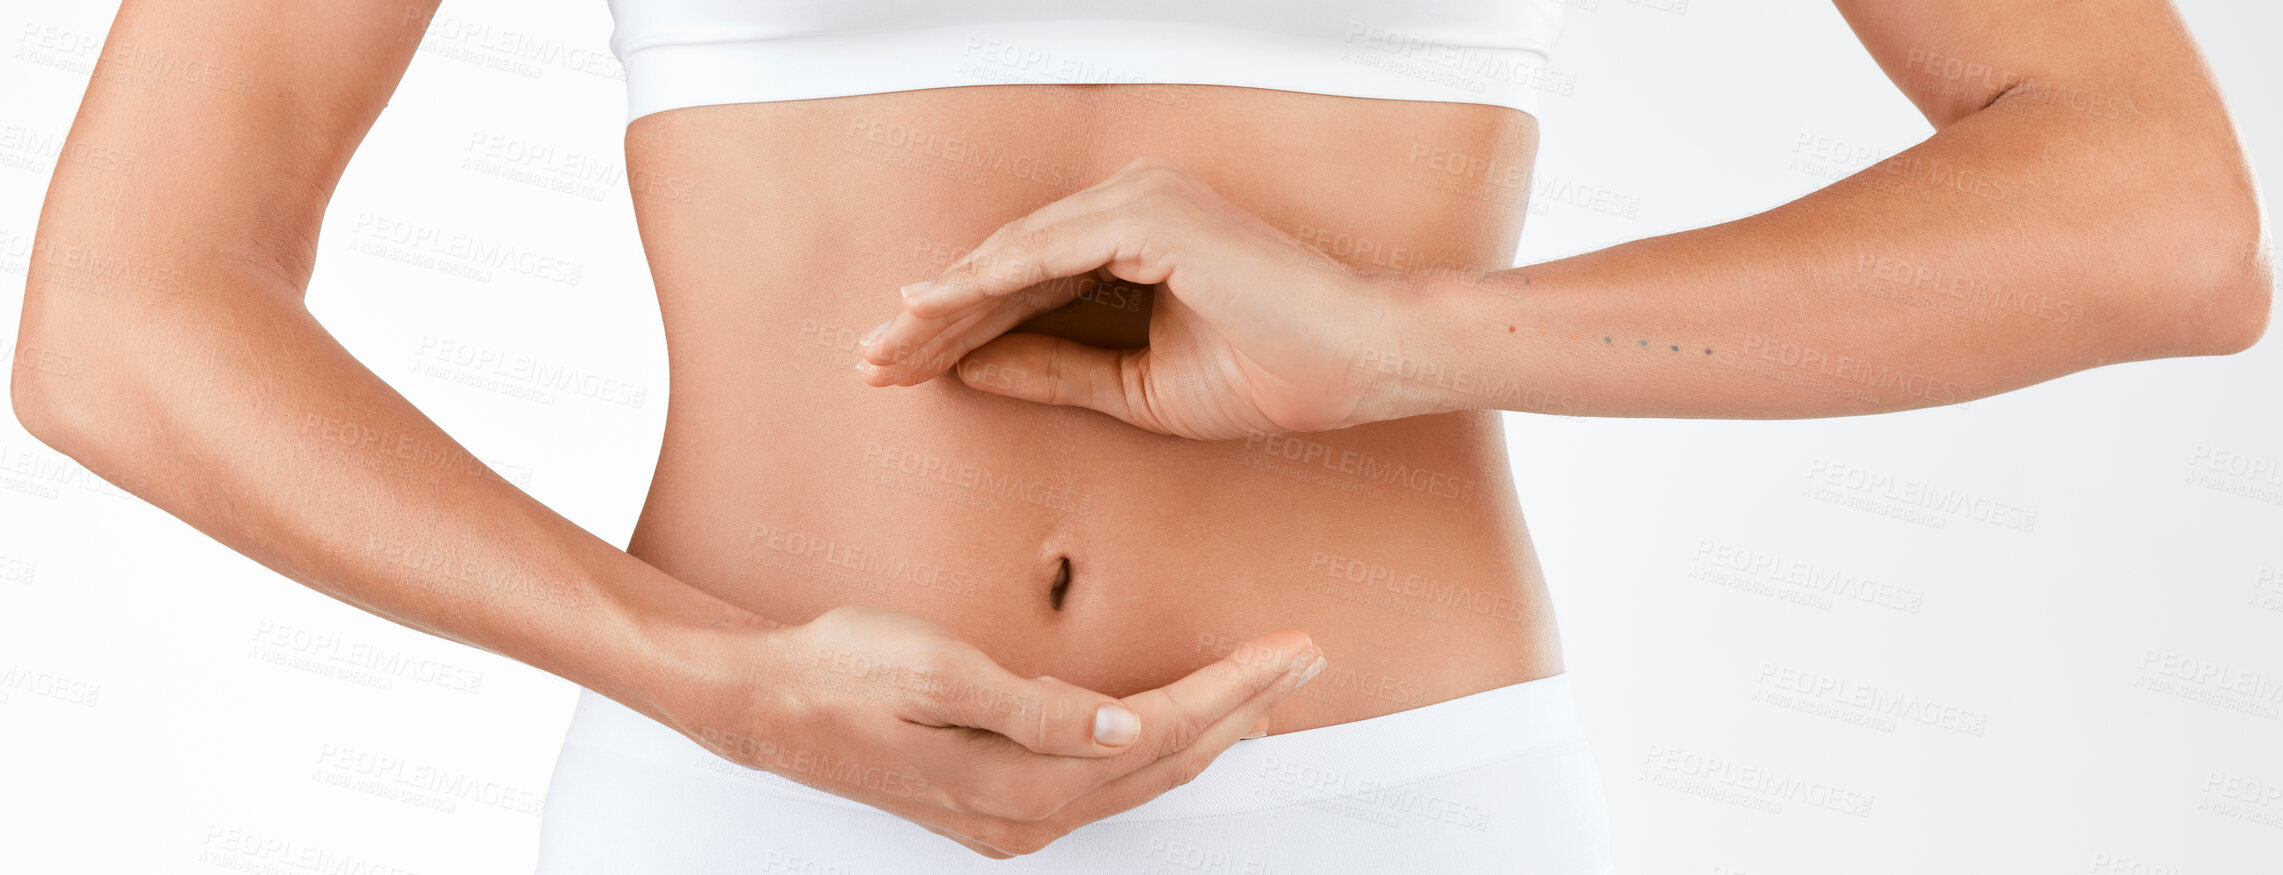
(1255, 331)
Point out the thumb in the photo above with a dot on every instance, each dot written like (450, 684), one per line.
(1044, 369)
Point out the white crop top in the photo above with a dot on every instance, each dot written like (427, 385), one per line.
(697, 52)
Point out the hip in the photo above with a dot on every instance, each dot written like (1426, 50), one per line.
(1500, 780)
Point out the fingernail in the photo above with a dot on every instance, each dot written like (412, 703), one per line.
(1115, 726)
(915, 288)
(1313, 670)
(875, 334)
(1258, 729)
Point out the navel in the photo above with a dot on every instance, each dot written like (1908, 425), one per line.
(1061, 584)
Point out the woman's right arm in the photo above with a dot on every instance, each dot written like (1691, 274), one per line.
(167, 302)
(166, 345)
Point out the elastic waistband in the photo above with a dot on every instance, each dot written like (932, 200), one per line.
(1534, 718)
(683, 70)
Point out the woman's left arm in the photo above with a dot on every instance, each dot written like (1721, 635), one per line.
(2083, 202)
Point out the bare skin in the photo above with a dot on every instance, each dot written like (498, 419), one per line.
(782, 473)
(2090, 205)
(1055, 541)
(204, 386)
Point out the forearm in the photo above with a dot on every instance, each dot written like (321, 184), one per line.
(223, 402)
(2016, 245)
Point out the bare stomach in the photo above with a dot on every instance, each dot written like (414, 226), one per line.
(1060, 541)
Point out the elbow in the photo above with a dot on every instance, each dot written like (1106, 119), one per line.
(2232, 309)
(2219, 280)
(59, 392)
(61, 405)
(46, 398)
(2246, 321)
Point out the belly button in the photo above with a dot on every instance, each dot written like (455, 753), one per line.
(1061, 584)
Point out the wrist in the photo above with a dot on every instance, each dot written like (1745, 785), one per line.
(1416, 362)
(726, 696)
(699, 663)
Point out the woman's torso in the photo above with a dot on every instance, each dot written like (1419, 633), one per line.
(777, 234)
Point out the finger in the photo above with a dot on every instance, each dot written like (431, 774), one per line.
(1258, 730)
(1177, 713)
(1173, 718)
(1241, 687)
(1044, 369)
(1100, 196)
(914, 350)
(1044, 715)
(907, 345)
(1062, 209)
(1184, 765)
(1124, 240)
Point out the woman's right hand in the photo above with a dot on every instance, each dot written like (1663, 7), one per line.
(893, 711)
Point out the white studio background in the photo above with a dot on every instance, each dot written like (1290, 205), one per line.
(2042, 632)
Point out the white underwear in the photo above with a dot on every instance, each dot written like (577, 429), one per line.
(1499, 781)
(682, 53)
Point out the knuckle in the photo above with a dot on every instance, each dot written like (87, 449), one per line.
(986, 852)
(1000, 835)
(1127, 225)
(1173, 181)
(967, 270)
(1144, 163)
(986, 799)
(1188, 767)
(1032, 807)
(844, 615)
(946, 797)
(965, 801)
(1153, 167)
(996, 795)
(1029, 241)
(1066, 788)
(1144, 206)
(932, 670)
(1022, 839)
(1184, 731)
(1007, 230)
